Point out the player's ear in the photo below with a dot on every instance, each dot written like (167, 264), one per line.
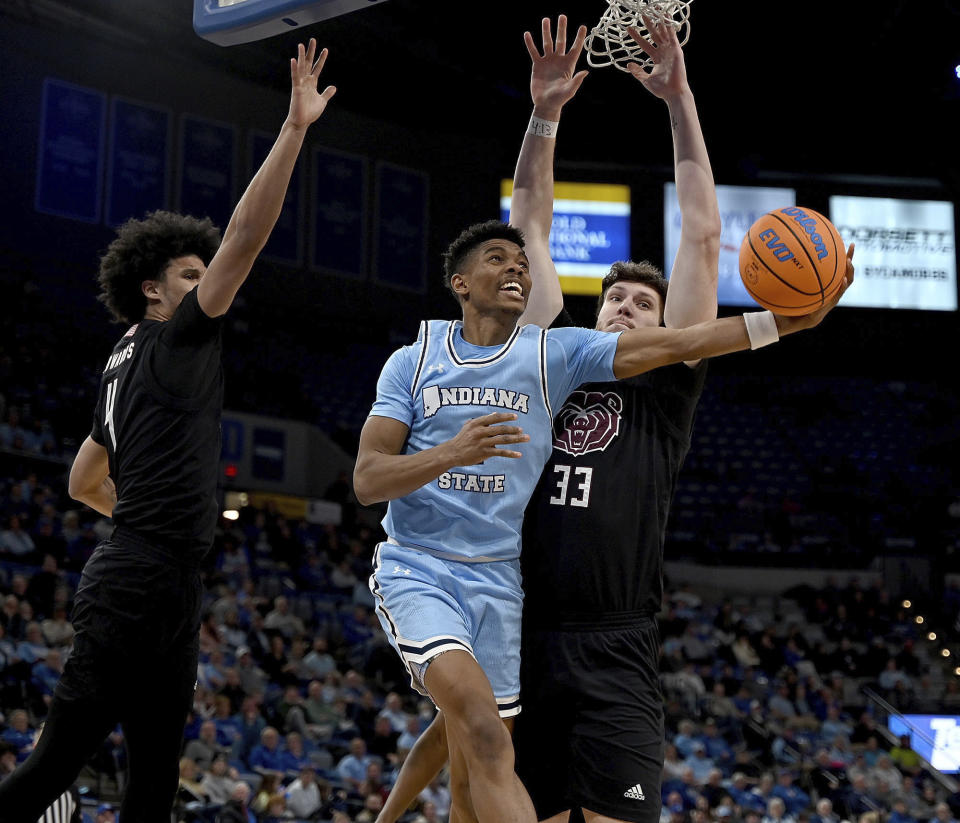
(460, 285)
(149, 289)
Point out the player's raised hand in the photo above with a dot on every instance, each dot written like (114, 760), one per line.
(787, 325)
(553, 81)
(481, 438)
(306, 102)
(668, 77)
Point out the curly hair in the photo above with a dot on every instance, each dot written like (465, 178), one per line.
(643, 272)
(142, 250)
(471, 237)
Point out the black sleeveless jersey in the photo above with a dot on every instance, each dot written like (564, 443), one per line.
(158, 415)
(594, 530)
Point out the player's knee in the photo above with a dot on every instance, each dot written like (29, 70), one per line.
(485, 740)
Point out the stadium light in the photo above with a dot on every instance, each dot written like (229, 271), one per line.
(231, 514)
(907, 604)
(945, 652)
(919, 619)
(932, 636)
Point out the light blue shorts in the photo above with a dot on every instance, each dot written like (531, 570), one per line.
(428, 605)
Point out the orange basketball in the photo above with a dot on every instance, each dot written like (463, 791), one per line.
(792, 260)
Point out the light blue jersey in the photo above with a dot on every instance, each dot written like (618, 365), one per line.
(474, 513)
(448, 577)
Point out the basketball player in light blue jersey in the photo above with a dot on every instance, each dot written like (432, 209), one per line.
(456, 440)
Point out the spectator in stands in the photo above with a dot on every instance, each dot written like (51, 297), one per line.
(319, 661)
(825, 813)
(32, 648)
(303, 794)
(236, 810)
(428, 814)
(189, 789)
(105, 813)
(281, 619)
(900, 814)
(764, 789)
(46, 673)
(295, 755)
(673, 766)
(872, 751)
(383, 742)
(258, 641)
(269, 786)
(217, 783)
(795, 799)
(352, 769)
(720, 707)
(835, 726)
(19, 734)
(905, 758)
(15, 542)
(10, 617)
(856, 797)
(410, 735)
(57, 630)
(777, 812)
(253, 679)
(891, 677)
(203, 749)
(712, 789)
(884, 771)
(943, 814)
(786, 749)
(840, 752)
(372, 806)
(718, 749)
(393, 711)
(438, 794)
(781, 707)
(700, 762)
(685, 738)
(267, 756)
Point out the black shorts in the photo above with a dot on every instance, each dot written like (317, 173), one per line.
(591, 731)
(137, 621)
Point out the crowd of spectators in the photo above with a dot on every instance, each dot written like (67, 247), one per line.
(303, 712)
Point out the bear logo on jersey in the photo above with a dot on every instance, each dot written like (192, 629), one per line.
(588, 422)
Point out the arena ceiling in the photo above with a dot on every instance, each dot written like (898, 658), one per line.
(836, 88)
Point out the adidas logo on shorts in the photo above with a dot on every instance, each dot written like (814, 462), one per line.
(635, 793)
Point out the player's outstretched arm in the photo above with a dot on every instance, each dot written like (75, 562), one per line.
(641, 350)
(382, 472)
(553, 82)
(90, 481)
(258, 209)
(692, 296)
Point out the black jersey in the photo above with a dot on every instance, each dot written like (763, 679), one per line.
(158, 415)
(594, 530)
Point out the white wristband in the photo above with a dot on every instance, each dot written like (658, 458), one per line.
(761, 328)
(541, 127)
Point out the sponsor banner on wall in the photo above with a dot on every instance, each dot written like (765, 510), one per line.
(590, 231)
(906, 252)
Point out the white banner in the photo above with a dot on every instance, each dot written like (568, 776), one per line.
(905, 252)
(740, 206)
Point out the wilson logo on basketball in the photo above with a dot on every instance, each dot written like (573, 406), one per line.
(588, 422)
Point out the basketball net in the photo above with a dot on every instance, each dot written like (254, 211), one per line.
(610, 44)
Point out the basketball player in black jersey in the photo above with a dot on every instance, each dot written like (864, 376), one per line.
(591, 736)
(150, 462)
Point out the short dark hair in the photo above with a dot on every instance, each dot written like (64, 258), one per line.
(643, 272)
(142, 250)
(470, 238)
